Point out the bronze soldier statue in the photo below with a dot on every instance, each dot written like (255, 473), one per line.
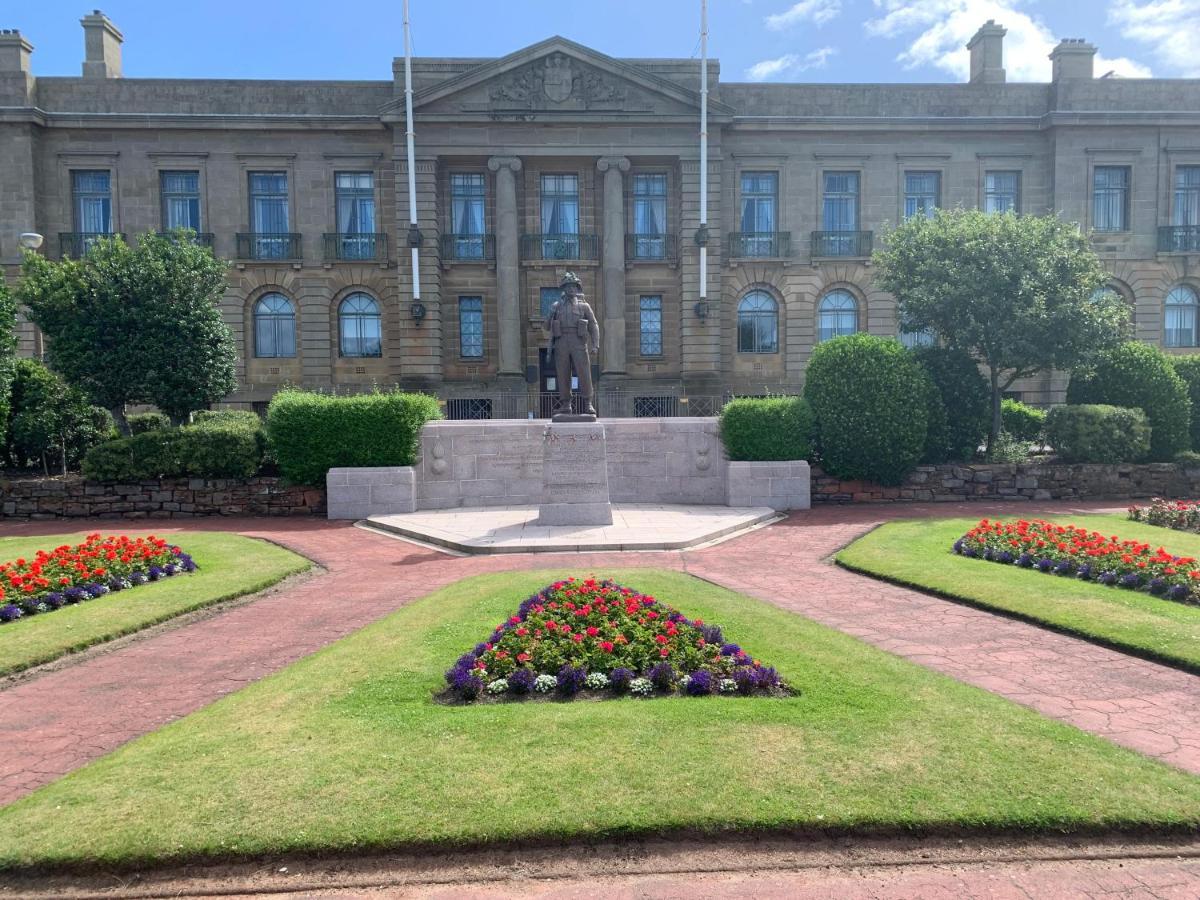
(574, 332)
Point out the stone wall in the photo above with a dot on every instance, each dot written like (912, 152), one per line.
(169, 498)
(1024, 481)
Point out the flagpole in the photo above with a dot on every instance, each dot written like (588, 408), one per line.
(704, 149)
(413, 231)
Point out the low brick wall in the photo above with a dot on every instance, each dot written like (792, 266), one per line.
(169, 498)
(1024, 481)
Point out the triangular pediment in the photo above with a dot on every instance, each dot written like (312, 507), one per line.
(558, 77)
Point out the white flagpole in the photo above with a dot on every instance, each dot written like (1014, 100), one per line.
(704, 147)
(412, 168)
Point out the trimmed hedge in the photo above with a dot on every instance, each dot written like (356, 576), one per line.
(760, 429)
(869, 396)
(1025, 423)
(195, 451)
(958, 412)
(311, 433)
(1095, 433)
(151, 421)
(1138, 376)
(243, 417)
(1188, 368)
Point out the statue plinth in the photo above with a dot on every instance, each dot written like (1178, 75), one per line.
(574, 474)
(573, 417)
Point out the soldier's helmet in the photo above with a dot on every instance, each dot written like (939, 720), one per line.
(570, 279)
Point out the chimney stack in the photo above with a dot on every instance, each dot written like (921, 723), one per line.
(102, 46)
(16, 76)
(1073, 60)
(987, 54)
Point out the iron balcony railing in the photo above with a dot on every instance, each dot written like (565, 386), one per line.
(559, 246)
(842, 243)
(469, 247)
(760, 244)
(278, 245)
(74, 244)
(1179, 239)
(203, 238)
(642, 247)
(355, 247)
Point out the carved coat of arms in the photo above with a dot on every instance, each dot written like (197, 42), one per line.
(558, 80)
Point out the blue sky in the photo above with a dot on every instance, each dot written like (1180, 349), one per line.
(756, 40)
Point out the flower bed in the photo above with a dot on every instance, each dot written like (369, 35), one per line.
(1072, 552)
(1181, 515)
(56, 578)
(596, 638)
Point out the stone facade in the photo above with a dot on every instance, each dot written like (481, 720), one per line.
(558, 113)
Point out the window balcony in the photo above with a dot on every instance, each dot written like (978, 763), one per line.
(468, 247)
(651, 247)
(760, 244)
(203, 238)
(270, 246)
(1179, 239)
(834, 244)
(74, 244)
(559, 246)
(360, 247)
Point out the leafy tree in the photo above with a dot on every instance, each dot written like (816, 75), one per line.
(51, 421)
(1016, 292)
(135, 325)
(962, 395)
(8, 348)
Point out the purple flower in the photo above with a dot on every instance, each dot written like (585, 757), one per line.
(730, 649)
(712, 634)
(570, 680)
(969, 553)
(619, 678)
(466, 684)
(1063, 568)
(1005, 557)
(958, 546)
(96, 590)
(480, 649)
(768, 677)
(1025, 560)
(746, 678)
(700, 683)
(663, 675)
(1132, 579)
(75, 594)
(55, 600)
(1085, 571)
(1178, 592)
(154, 573)
(1107, 578)
(1045, 565)
(521, 681)
(10, 612)
(1158, 586)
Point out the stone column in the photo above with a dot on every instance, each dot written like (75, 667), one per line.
(612, 329)
(508, 262)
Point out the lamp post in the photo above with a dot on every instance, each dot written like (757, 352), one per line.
(30, 240)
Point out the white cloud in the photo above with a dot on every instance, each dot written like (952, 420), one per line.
(816, 11)
(1170, 27)
(937, 32)
(790, 64)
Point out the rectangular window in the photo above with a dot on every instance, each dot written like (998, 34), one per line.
(760, 199)
(180, 200)
(1110, 198)
(922, 192)
(470, 327)
(269, 221)
(1180, 325)
(354, 197)
(649, 216)
(467, 194)
(839, 214)
(650, 327)
(92, 195)
(1002, 192)
(560, 216)
(549, 296)
(1187, 196)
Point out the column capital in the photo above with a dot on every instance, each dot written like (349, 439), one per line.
(620, 163)
(512, 163)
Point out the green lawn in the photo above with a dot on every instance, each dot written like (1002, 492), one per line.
(345, 750)
(918, 553)
(230, 566)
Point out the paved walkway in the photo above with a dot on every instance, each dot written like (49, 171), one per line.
(60, 720)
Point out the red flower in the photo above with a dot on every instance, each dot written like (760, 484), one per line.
(664, 652)
(523, 657)
(606, 646)
(592, 631)
(660, 638)
(577, 638)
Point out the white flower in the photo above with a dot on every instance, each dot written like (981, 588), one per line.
(499, 686)
(642, 687)
(596, 681)
(544, 684)
(728, 686)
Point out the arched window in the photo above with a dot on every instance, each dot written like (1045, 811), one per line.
(359, 326)
(758, 323)
(837, 315)
(1180, 319)
(1107, 290)
(274, 326)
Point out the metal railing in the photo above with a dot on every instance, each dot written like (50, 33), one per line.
(355, 247)
(468, 247)
(1179, 239)
(760, 244)
(842, 243)
(279, 245)
(74, 244)
(609, 404)
(559, 246)
(651, 247)
(203, 238)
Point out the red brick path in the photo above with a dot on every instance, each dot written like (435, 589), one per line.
(58, 721)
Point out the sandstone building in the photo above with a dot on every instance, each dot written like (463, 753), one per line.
(558, 157)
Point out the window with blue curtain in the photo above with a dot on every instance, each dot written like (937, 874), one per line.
(649, 215)
(839, 212)
(921, 193)
(650, 325)
(274, 327)
(560, 216)
(92, 194)
(1186, 209)
(1110, 198)
(360, 326)
(354, 194)
(468, 192)
(269, 219)
(760, 199)
(837, 314)
(758, 323)
(180, 200)
(1180, 318)
(470, 327)
(1001, 192)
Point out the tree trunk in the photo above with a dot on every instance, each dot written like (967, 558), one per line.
(994, 430)
(118, 414)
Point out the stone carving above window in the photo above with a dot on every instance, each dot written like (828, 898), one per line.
(556, 81)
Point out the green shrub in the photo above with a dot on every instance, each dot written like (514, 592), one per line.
(52, 424)
(1187, 458)
(150, 421)
(311, 433)
(1025, 423)
(243, 417)
(200, 452)
(1008, 449)
(958, 411)
(756, 429)
(1095, 433)
(1137, 376)
(868, 397)
(1188, 368)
